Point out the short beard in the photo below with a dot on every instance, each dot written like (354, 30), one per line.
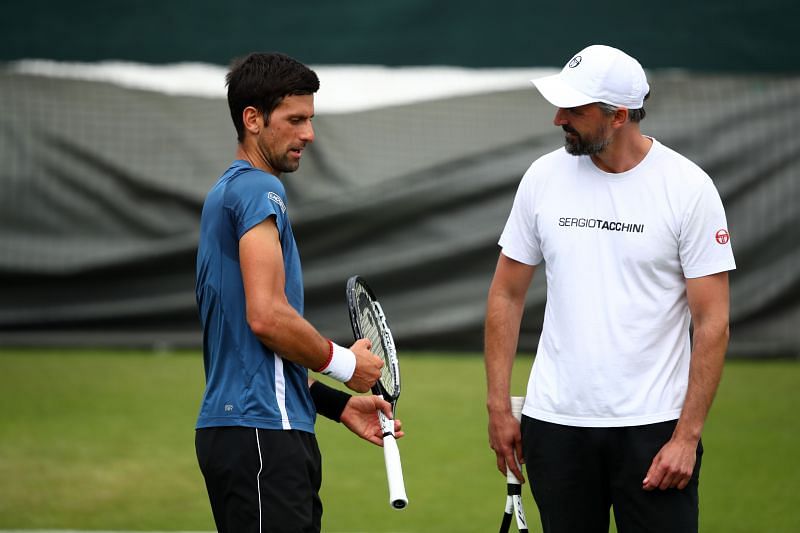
(581, 147)
(285, 165)
(279, 163)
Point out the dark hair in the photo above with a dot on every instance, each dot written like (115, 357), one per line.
(262, 80)
(634, 115)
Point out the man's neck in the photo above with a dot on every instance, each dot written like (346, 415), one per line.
(255, 159)
(624, 153)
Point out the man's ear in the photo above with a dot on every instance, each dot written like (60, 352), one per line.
(253, 120)
(620, 117)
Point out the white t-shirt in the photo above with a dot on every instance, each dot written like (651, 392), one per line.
(615, 348)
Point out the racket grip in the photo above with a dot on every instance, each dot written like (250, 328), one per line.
(394, 473)
(516, 410)
(511, 479)
(517, 402)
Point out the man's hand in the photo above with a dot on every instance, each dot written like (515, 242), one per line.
(672, 466)
(360, 415)
(506, 440)
(368, 366)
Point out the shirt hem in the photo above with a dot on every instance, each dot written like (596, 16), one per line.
(708, 270)
(599, 422)
(260, 424)
(518, 257)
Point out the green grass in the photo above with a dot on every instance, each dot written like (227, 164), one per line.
(104, 440)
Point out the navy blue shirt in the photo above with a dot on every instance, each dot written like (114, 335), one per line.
(247, 384)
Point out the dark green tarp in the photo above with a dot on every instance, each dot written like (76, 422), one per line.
(707, 36)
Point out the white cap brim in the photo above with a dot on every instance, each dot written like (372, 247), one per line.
(559, 93)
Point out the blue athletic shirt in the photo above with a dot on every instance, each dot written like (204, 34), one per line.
(247, 384)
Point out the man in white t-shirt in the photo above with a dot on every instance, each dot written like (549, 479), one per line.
(635, 244)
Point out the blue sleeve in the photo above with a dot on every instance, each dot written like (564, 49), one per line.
(252, 197)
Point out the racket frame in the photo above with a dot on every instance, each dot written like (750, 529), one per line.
(394, 471)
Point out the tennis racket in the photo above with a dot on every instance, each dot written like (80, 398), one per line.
(369, 322)
(513, 487)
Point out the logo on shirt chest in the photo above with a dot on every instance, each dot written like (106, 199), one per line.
(600, 224)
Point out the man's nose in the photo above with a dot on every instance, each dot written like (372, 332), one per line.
(307, 133)
(560, 118)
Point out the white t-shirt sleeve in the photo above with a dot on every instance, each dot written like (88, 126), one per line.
(520, 240)
(705, 244)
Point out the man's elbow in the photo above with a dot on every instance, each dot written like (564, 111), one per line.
(263, 325)
(716, 333)
(726, 333)
(721, 330)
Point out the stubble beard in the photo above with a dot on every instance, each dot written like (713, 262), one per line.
(280, 163)
(577, 145)
(285, 165)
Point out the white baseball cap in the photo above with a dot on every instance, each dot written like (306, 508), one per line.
(597, 73)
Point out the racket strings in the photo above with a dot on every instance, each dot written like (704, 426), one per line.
(372, 331)
(372, 328)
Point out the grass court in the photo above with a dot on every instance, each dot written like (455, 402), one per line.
(104, 440)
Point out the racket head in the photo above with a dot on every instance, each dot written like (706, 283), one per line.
(369, 322)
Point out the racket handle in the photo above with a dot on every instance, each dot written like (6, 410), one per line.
(511, 479)
(394, 469)
(516, 410)
(394, 473)
(516, 406)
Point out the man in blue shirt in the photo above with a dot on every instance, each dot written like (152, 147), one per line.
(255, 432)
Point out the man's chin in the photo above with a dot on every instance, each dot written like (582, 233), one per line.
(572, 148)
(289, 167)
(584, 149)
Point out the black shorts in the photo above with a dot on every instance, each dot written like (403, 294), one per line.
(577, 474)
(261, 481)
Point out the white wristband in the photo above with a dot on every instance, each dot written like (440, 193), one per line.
(340, 365)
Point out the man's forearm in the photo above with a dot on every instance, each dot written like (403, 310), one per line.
(504, 309)
(503, 320)
(284, 331)
(710, 342)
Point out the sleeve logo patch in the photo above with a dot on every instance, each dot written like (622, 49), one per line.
(722, 236)
(278, 200)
